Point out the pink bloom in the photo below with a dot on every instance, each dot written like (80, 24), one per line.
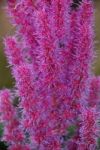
(94, 92)
(12, 130)
(19, 147)
(88, 129)
(13, 51)
(50, 58)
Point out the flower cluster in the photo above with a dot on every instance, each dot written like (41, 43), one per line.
(89, 129)
(9, 117)
(50, 57)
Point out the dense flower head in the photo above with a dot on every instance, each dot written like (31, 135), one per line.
(5, 104)
(50, 57)
(12, 131)
(19, 147)
(13, 51)
(88, 129)
(94, 92)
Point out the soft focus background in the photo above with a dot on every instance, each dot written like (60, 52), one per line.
(7, 29)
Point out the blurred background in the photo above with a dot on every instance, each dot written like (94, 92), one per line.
(7, 29)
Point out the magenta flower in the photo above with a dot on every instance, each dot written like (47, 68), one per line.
(88, 129)
(12, 131)
(13, 51)
(50, 57)
(94, 92)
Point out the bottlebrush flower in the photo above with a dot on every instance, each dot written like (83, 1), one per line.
(19, 147)
(13, 51)
(81, 51)
(93, 97)
(50, 58)
(12, 131)
(88, 129)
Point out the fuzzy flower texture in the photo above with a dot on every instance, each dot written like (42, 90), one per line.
(57, 94)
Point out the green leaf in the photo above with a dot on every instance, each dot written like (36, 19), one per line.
(71, 130)
(1, 129)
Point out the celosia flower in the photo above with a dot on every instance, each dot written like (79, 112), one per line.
(19, 147)
(12, 131)
(89, 129)
(93, 97)
(13, 51)
(50, 58)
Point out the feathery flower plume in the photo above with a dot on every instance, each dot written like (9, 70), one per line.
(50, 58)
